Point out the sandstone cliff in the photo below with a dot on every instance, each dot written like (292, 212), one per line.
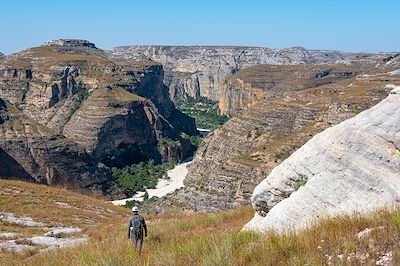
(232, 160)
(116, 111)
(32, 152)
(351, 167)
(247, 86)
(201, 70)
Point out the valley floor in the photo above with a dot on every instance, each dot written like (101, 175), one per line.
(164, 185)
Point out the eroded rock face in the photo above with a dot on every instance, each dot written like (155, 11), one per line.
(74, 103)
(201, 70)
(351, 167)
(246, 87)
(232, 160)
(116, 123)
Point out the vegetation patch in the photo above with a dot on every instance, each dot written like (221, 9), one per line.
(83, 95)
(146, 200)
(299, 183)
(137, 177)
(391, 57)
(195, 141)
(168, 143)
(204, 110)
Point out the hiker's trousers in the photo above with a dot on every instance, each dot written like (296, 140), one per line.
(138, 242)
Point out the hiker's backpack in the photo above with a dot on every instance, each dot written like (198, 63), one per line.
(136, 225)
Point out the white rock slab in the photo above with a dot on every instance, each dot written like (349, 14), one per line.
(56, 242)
(353, 167)
(63, 230)
(395, 72)
(8, 235)
(11, 245)
(22, 220)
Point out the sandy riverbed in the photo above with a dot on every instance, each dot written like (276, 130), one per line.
(164, 186)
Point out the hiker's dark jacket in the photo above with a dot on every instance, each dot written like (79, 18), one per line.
(143, 227)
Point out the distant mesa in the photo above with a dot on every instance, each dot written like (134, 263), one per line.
(70, 43)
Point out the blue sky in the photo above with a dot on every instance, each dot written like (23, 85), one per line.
(348, 25)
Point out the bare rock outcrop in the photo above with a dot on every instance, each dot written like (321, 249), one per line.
(121, 125)
(353, 167)
(70, 43)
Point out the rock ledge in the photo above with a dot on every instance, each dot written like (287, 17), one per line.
(70, 43)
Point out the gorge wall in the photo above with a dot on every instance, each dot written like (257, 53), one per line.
(247, 86)
(32, 152)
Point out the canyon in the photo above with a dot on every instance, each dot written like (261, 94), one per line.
(76, 111)
(233, 159)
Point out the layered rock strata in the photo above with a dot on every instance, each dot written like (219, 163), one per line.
(246, 87)
(33, 152)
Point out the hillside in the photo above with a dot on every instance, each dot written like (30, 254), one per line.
(183, 238)
(37, 214)
(247, 86)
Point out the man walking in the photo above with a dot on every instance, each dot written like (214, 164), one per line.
(136, 228)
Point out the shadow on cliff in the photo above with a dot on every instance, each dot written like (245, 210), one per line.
(11, 169)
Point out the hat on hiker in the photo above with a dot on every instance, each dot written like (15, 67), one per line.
(135, 209)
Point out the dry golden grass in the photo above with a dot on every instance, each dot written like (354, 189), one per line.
(55, 207)
(202, 239)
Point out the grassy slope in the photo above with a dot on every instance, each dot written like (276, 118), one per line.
(193, 239)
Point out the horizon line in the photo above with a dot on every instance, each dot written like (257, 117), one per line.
(212, 46)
